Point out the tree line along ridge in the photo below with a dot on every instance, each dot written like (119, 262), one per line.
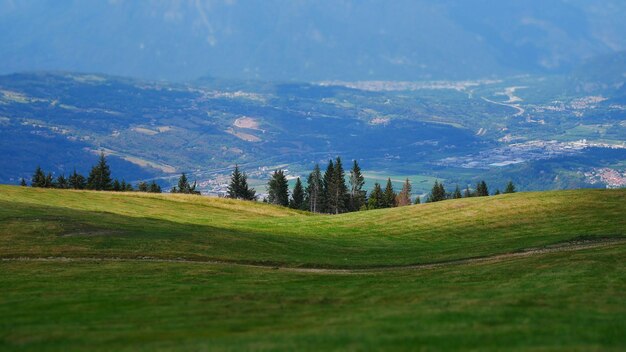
(326, 192)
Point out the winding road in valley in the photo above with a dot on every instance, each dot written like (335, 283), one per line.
(520, 110)
(513, 99)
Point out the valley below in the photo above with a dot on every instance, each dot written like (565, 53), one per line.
(541, 132)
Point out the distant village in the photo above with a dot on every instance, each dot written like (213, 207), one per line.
(522, 152)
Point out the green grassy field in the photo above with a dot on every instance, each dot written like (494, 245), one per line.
(75, 276)
(421, 184)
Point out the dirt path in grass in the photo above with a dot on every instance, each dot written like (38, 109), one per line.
(561, 247)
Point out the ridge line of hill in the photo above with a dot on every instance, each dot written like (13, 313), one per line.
(570, 246)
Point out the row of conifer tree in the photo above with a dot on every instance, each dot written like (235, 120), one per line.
(99, 179)
(324, 193)
(329, 192)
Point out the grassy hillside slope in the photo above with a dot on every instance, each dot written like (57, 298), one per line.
(559, 301)
(38, 222)
(570, 300)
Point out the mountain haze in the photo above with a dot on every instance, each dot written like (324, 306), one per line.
(308, 40)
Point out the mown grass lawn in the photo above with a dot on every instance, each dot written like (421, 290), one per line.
(559, 301)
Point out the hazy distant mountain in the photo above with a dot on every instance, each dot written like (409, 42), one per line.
(308, 40)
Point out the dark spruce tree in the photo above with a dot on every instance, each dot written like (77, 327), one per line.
(481, 189)
(117, 186)
(99, 178)
(375, 200)
(39, 178)
(314, 190)
(142, 186)
(278, 189)
(154, 188)
(245, 192)
(389, 196)
(418, 200)
(497, 192)
(327, 184)
(77, 181)
(49, 180)
(357, 194)
(184, 186)
(23, 182)
(297, 196)
(337, 195)
(234, 187)
(238, 187)
(510, 188)
(438, 193)
(61, 182)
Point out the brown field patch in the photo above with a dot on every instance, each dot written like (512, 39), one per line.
(243, 136)
(246, 122)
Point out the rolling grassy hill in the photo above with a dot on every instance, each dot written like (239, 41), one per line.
(38, 222)
(114, 271)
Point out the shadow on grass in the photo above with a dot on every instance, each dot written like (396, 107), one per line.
(29, 230)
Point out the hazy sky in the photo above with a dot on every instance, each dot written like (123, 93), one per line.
(308, 40)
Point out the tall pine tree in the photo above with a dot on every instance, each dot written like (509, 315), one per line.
(49, 181)
(245, 192)
(77, 181)
(39, 178)
(234, 187)
(357, 194)
(375, 200)
(327, 186)
(61, 182)
(389, 196)
(238, 187)
(481, 189)
(154, 188)
(315, 190)
(337, 189)
(100, 176)
(438, 192)
(184, 186)
(510, 188)
(297, 196)
(278, 189)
